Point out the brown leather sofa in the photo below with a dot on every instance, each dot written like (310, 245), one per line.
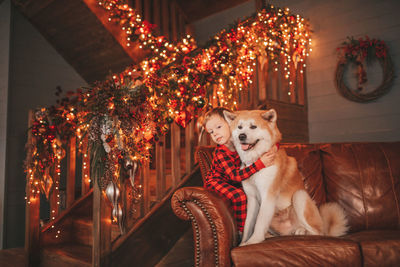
(364, 178)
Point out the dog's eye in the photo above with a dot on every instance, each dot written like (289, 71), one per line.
(240, 127)
(253, 127)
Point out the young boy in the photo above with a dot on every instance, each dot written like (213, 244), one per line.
(225, 174)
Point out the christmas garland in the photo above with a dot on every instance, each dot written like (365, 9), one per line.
(126, 114)
(358, 52)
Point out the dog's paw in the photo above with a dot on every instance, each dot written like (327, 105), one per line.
(242, 244)
(300, 231)
(254, 241)
(268, 235)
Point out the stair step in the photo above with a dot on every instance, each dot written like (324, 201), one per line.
(66, 255)
(83, 230)
(181, 254)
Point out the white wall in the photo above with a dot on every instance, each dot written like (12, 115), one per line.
(36, 69)
(4, 67)
(333, 118)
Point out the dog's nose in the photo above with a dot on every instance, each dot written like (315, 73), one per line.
(242, 137)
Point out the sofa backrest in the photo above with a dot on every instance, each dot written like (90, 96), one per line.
(364, 178)
(308, 159)
(204, 156)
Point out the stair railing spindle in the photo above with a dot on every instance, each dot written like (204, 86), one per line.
(71, 170)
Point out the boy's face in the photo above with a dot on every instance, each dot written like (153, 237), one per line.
(219, 130)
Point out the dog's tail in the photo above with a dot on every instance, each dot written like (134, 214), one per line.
(334, 219)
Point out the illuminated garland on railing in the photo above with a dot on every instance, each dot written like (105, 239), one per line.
(124, 115)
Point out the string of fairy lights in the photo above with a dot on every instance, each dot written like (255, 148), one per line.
(123, 116)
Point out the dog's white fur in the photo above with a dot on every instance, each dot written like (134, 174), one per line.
(276, 197)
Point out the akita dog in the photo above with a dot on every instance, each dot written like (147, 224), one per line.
(276, 198)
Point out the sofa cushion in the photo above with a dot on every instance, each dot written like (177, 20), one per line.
(364, 179)
(379, 247)
(308, 159)
(298, 251)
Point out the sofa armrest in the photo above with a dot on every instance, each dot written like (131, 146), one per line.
(214, 227)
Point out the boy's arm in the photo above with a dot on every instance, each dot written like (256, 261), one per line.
(234, 172)
(219, 186)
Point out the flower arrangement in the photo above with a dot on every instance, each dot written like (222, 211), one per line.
(360, 51)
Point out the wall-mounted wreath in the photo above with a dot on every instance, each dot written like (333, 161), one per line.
(358, 52)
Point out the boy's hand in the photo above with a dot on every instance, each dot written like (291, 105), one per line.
(269, 157)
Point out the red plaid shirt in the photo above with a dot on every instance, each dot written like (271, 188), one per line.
(225, 166)
(224, 177)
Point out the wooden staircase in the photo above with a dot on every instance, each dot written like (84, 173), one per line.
(80, 32)
(145, 244)
(75, 247)
(83, 234)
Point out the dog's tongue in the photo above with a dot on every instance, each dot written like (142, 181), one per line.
(245, 146)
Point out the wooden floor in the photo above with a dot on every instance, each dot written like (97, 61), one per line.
(181, 255)
(14, 257)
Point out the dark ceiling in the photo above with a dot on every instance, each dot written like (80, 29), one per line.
(88, 45)
(78, 35)
(198, 9)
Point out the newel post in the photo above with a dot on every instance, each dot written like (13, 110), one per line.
(101, 249)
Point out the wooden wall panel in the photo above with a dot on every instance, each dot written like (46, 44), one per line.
(333, 118)
(292, 121)
(157, 16)
(165, 19)
(174, 20)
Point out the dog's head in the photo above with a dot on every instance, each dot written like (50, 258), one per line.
(253, 131)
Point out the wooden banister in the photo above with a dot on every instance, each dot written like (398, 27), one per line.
(175, 154)
(160, 169)
(85, 182)
(55, 194)
(145, 179)
(71, 172)
(189, 146)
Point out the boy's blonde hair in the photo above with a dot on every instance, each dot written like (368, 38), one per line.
(219, 111)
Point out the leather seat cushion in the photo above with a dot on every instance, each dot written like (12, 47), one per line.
(379, 247)
(298, 251)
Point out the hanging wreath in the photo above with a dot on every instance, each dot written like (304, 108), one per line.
(358, 52)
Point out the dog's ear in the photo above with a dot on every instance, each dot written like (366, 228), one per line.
(229, 116)
(270, 115)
